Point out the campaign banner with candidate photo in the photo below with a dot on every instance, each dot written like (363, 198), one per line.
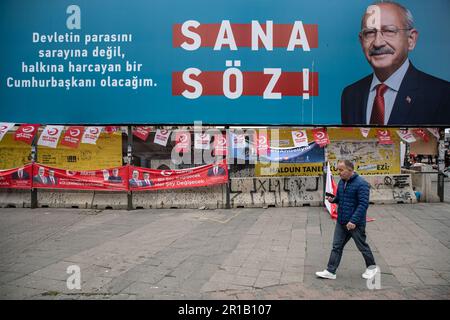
(111, 179)
(17, 178)
(253, 62)
(153, 179)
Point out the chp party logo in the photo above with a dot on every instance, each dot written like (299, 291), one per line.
(52, 131)
(166, 173)
(320, 135)
(74, 132)
(28, 129)
(93, 130)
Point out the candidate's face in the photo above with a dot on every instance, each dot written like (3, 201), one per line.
(344, 172)
(115, 172)
(146, 176)
(387, 52)
(135, 174)
(41, 171)
(51, 173)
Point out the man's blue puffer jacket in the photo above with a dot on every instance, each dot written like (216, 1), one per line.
(353, 201)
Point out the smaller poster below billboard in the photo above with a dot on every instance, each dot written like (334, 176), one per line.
(152, 179)
(17, 178)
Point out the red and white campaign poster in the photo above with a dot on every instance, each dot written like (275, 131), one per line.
(201, 141)
(422, 134)
(384, 137)
(72, 136)
(152, 179)
(182, 141)
(321, 137)
(50, 136)
(4, 127)
(112, 179)
(18, 178)
(238, 140)
(435, 132)
(262, 143)
(406, 136)
(162, 136)
(220, 145)
(300, 138)
(26, 133)
(142, 132)
(91, 135)
(364, 132)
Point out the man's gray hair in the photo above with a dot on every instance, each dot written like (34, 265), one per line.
(408, 19)
(348, 164)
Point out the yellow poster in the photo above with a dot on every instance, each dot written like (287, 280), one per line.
(106, 153)
(13, 153)
(367, 154)
(282, 138)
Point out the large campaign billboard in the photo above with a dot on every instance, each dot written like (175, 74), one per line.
(291, 62)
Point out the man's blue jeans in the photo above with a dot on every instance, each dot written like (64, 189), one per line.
(340, 239)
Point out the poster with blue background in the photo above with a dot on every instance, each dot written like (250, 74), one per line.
(221, 62)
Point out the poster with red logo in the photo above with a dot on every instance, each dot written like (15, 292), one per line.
(421, 133)
(112, 179)
(142, 132)
(152, 179)
(50, 136)
(91, 135)
(201, 141)
(183, 141)
(220, 145)
(161, 137)
(365, 132)
(72, 136)
(4, 128)
(26, 133)
(321, 137)
(300, 138)
(435, 132)
(384, 137)
(406, 136)
(18, 178)
(262, 143)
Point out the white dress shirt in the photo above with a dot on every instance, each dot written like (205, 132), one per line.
(393, 83)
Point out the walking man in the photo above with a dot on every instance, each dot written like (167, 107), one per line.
(353, 200)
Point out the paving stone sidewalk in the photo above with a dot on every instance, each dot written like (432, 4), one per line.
(219, 254)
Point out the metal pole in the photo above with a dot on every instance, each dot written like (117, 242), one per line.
(228, 200)
(441, 165)
(129, 159)
(34, 201)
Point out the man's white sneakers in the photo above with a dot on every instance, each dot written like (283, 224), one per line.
(370, 272)
(325, 274)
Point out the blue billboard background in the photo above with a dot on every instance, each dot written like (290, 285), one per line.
(338, 59)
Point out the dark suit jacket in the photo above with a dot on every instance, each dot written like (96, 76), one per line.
(429, 101)
(220, 172)
(25, 176)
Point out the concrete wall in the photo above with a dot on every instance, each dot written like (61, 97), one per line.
(244, 192)
(15, 198)
(203, 197)
(276, 192)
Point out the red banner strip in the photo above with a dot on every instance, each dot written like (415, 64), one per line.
(17, 178)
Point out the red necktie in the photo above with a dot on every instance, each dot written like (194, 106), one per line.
(377, 116)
